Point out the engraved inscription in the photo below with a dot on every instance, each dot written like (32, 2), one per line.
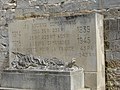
(54, 37)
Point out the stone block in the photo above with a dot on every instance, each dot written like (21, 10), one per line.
(43, 80)
(19, 12)
(112, 55)
(23, 4)
(2, 21)
(111, 3)
(113, 25)
(92, 80)
(2, 13)
(111, 35)
(114, 45)
(3, 55)
(4, 64)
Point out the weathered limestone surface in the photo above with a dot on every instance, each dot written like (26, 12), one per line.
(43, 80)
(80, 37)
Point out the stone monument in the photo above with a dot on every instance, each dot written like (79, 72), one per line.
(64, 37)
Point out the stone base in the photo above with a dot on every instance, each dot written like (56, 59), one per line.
(1, 88)
(43, 80)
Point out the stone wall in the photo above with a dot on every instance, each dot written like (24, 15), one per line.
(3, 39)
(112, 50)
(6, 16)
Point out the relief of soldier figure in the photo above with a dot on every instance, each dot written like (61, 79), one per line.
(22, 61)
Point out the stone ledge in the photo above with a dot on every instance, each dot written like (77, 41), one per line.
(85, 89)
(3, 88)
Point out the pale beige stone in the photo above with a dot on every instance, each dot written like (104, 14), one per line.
(95, 80)
(78, 37)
